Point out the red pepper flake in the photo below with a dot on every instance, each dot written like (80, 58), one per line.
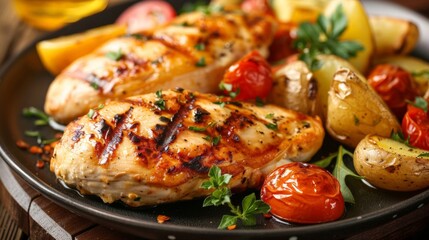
(47, 148)
(162, 218)
(35, 150)
(232, 227)
(22, 144)
(40, 164)
(267, 215)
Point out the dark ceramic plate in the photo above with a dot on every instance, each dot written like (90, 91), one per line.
(24, 82)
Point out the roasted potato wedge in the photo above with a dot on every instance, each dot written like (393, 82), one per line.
(393, 35)
(391, 165)
(415, 66)
(330, 65)
(355, 110)
(294, 87)
(358, 29)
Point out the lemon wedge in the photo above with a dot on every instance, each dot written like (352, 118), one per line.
(57, 53)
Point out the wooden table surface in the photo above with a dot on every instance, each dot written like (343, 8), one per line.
(25, 212)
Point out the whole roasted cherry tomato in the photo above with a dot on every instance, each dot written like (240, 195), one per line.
(260, 6)
(146, 15)
(282, 44)
(249, 78)
(394, 85)
(415, 127)
(303, 193)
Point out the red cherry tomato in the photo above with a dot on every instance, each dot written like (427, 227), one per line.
(303, 193)
(146, 15)
(282, 45)
(415, 127)
(394, 85)
(250, 77)
(260, 6)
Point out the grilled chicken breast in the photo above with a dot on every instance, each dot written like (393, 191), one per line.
(158, 147)
(192, 47)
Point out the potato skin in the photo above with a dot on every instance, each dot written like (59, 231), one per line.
(393, 36)
(391, 165)
(355, 110)
(294, 87)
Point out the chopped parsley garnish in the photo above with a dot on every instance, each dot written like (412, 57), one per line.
(200, 46)
(197, 129)
(269, 116)
(259, 102)
(115, 55)
(201, 62)
(356, 120)
(94, 85)
(229, 88)
(214, 140)
(221, 195)
(160, 102)
(92, 111)
(272, 126)
(322, 37)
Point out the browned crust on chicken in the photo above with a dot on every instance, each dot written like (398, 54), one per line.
(159, 147)
(191, 52)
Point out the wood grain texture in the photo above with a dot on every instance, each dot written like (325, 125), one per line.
(16, 196)
(50, 221)
(103, 233)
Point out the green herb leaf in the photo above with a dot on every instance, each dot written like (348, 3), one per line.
(197, 129)
(356, 119)
(325, 162)
(272, 126)
(259, 102)
(322, 37)
(221, 195)
(426, 154)
(422, 73)
(216, 140)
(420, 103)
(227, 220)
(42, 118)
(160, 103)
(201, 62)
(269, 116)
(341, 172)
(225, 86)
(115, 55)
(92, 111)
(200, 46)
(399, 137)
(33, 133)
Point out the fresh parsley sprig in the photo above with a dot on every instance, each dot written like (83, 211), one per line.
(322, 37)
(341, 171)
(222, 195)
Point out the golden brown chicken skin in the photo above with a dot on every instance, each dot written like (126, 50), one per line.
(158, 147)
(191, 52)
